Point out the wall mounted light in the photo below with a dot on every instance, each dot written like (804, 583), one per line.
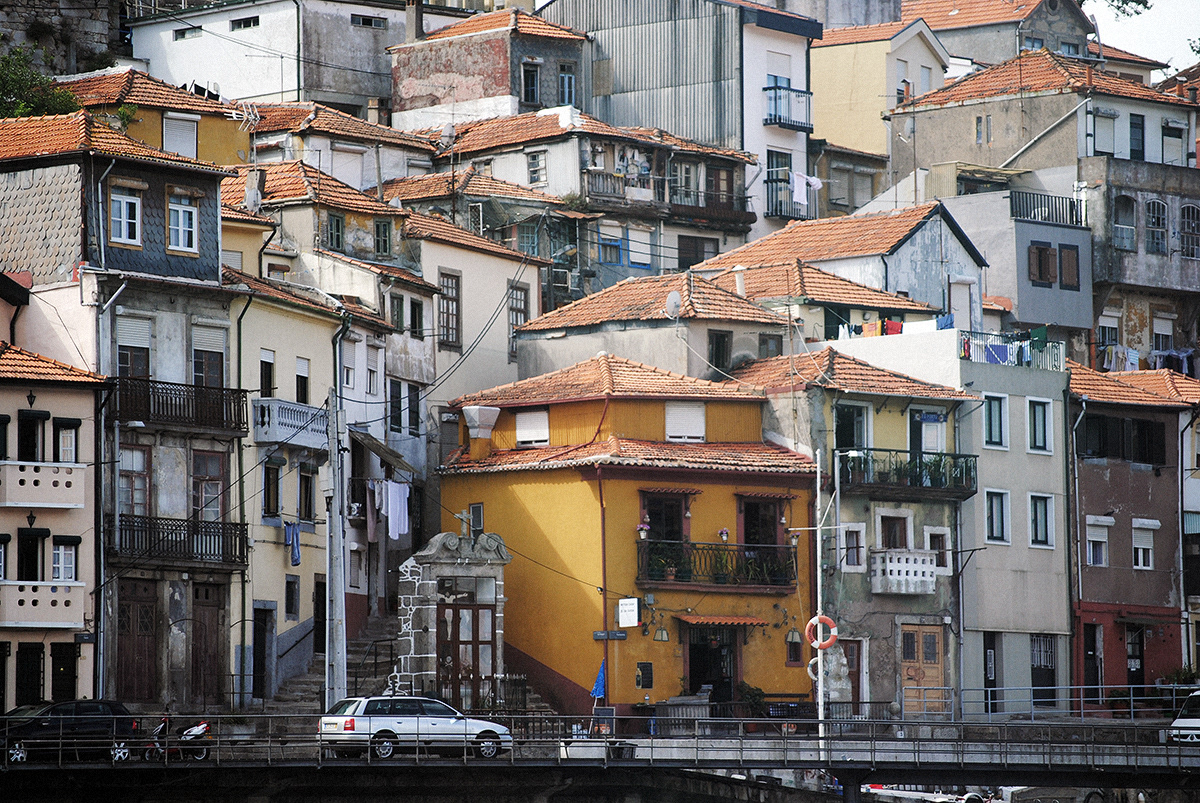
(661, 634)
(31, 398)
(794, 637)
(31, 519)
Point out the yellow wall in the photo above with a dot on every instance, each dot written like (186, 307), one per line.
(849, 94)
(218, 138)
(245, 238)
(889, 422)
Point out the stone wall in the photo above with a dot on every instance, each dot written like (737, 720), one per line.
(68, 35)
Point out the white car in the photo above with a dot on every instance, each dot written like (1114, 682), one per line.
(388, 724)
(1186, 727)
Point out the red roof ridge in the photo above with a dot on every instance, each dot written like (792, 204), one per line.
(73, 373)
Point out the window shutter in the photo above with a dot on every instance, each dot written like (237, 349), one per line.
(1035, 263)
(266, 355)
(1070, 267)
(133, 332)
(533, 428)
(301, 366)
(1143, 539)
(179, 136)
(685, 421)
(208, 338)
(232, 259)
(1049, 265)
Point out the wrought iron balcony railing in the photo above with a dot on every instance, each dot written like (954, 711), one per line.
(716, 564)
(1003, 348)
(710, 205)
(183, 406)
(788, 108)
(896, 474)
(1047, 208)
(181, 539)
(781, 201)
(627, 188)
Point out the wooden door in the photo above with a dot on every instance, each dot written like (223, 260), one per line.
(319, 592)
(466, 654)
(921, 669)
(208, 648)
(852, 649)
(137, 626)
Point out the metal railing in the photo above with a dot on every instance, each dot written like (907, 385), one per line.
(637, 187)
(788, 108)
(782, 203)
(921, 473)
(1061, 209)
(1004, 348)
(1150, 701)
(715, 564)
(185, 406)
(282, 421)
(376, 664)
(356, 497)
(181, 539)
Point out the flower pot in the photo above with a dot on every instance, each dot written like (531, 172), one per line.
(670, 572)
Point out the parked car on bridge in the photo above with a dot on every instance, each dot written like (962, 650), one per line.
(70, 730)
(388, 724)
(1186, 727)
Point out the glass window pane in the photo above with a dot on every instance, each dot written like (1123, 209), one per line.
(485, 590)
(929, 648)
(485, 624)
(465, 625)
(908, 646)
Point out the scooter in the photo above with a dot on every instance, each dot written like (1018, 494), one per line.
(191, 742)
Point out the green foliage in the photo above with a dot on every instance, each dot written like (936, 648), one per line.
(24, 91)
(1194, 44)
(126, 114)
(574, 201)
(1127, 8)
(1183, 676)
(754, 698)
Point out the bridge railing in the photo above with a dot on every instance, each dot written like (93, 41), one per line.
(1150, 701)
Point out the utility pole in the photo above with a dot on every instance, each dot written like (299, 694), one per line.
(335, 625)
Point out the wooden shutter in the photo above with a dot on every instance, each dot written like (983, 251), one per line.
(1049, 265)
(1069, 259)
(1035, 263)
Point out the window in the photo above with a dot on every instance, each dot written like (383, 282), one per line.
(937, 541)
(639, 245)
(1068, 267)
(179, 133)
(1043, 264)
(1156, 227)
(1137, 137)
(125, 216)
(271, 490)
(476, 513)
(1164, 334)
(336, 233)
(995, 422)
(533, 427)
(62, 561)
(1039, 425)
(1107, 330)
(720, 350)
(850, 426)
(363, 21)
(1041, 669)
(383, 237)
(685, 421)
(449, 322)
(395, 405)
(31, 435)
(839, 186)
(302, 380)
(527, 238)
(760, 521)
(1172, 146)
(1189, 231)
(770, 346)
(266, 373)
(979, 129)
(997, 516)
(133, 347)
(349, 357)
(414, 409)
(902, 83)
(1124, 224)
(610, 250)
(1104, 135)
(531, 77)
(665, 515)
(1033, 43)
(1097, 545)
(187, 33)
(416, 319)
(291, 596)
(243, 23)
(208, 486)
(1143, 547)
(1041, 520)
(1134, 439)
(893, 532)
(694, 250)
(852, 548)
(306, 504)
(566, 84)
(926, 79)
(208, 356)
(134, 481)
(231, 259)
(66, 440)
(356, 568)
(373, 370)
(536, 165)
(1068, 48)
(518, 314)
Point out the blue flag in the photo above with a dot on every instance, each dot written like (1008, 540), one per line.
(598, 687)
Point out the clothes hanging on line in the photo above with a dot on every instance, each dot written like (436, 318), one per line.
(372, 512)
(892, 327)
(291, 538)
(945, 321)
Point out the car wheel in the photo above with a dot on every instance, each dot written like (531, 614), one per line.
(384, 745)
(487, 745)
(119, 751)
(17, 753)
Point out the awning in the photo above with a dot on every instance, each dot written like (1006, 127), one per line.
(752, 621)
(679, 491)
(384, 452)
(764, 495)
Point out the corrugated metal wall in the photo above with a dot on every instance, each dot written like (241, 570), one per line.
(676, 64)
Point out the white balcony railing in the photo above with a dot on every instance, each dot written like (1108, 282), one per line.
(299, 425)
(903, 571)
(42, 604)
(54, 485)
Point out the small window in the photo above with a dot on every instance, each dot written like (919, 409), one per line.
(937, 541)
(979, 129)
(893, 532)
(243, 23)
(126, 216)
(1108, 330)
(518, 314)
(449, 321)
(336, 232)
(685, 422)
(1164, 334)
(852, 548)
(187, 33)
(1189, 231)
(1069, 48)
(1105, 136)
(373, 370)
(416, 319)
(1137, 137)
(1097, 545)
(270, 495)
(1172, 146)
(536, 164)
(850, 426)
(1143, 548)
(383, 238)
(770, 346)
(414, 409)
(1068, 266)
(306, 504)
(348, 358)
(720, 350)
(610, 250)
(395, 405)
(1033, 43)
(396, 309)
(926, 79)
(566, 84)
(302, 380)
(266, 373)
(1043, 264)
(476, 513)
(63, 559)
(533, 428)
(1041, 520)
(66, 440)
(1156, 227)
(527, 238)
(291, 596)
(995, 421)
(363, 21)
(531, 77)
(1039, 425)
(997, 516)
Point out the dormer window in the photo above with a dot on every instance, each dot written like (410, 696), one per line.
(533, 428)
(685, 422)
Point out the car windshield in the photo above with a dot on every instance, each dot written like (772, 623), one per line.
(433, 708)
(341, 707)
(26, 711)
(1191, 708)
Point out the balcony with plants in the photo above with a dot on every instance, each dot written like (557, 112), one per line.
(771, 567)
(908, 476)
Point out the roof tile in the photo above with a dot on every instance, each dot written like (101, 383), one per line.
(794, 279)
(18, 364)
(296, 182)
(467, 182)
(1164, 382)
(855, 34)
(301, 118)
(1105, 389)
(118, 87)
(831, 369)
(426, 227)
(396, 272)
(512, 19)
(950, 14)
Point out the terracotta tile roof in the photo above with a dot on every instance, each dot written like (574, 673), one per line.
(794, 279)
(1041, 71)
(606, 376)
(295, 182)
(18, 364)
(997, 303)
(302, 118)
(296, 296)
(136, 87)
(740, 457)
(1104, 389)
(1164, 382)
(657, 136)
(467, 182)
(548, 124)
(948, 14)
(512, 19)
(364, 314)
(391, 271)
(831, 369)
(855, 34)
(240, 214)
(828, 238)
(1116, 54)
(644, 299)
(426, 227)
(1190, 76)
(79, 132)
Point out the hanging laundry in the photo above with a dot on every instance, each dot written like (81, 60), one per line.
(892, 327)
(871, 329)
(857, 329)
(372, 512)
(814, 182)
(397, 503)
(1132, 359)
(945, 321)
(799, 189)
(843, 332)
(291, 537)
(997, 353)
(1039, 336)
(964, 348)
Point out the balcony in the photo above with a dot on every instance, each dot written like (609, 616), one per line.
(184, 540)
(42, 604)
(781, 202)
(903, 571)
(1042, 208)
(177, 406)
(624, 189)
(715, 206)
(899, 475)
(299, 425)
(42, 485)
(1124, 238)
(1015, 349)
(669, 562)
(788, 108)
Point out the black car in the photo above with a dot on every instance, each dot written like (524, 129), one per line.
(69, 730)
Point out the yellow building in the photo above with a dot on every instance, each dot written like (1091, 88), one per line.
(617, 484)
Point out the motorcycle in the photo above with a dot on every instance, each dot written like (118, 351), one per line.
(183, 743)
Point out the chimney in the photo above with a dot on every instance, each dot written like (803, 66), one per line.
(256, 185)
(480, 421)
(414, 21)
(1090, 77)
(739, 280)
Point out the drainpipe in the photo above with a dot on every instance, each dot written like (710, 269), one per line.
(335, 627)
(1075, 492)
(1072, 505)
(12, 324)
(603, 571)
(106, 465)
(241, 680)
(299, 52)
(262, 250)
(1185, 620)
(100, 209)
(962, 611)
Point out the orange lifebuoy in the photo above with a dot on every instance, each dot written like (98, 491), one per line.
(810, 632)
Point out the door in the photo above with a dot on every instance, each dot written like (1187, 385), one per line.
(712, 661)
(262, 629)
(64, 660)
(137, 617)
(1091, 663)
(852, 649)
(207, 653)
(466, 654)
(30, 661)
(1135, 646)
(319, 600)
(921, 669)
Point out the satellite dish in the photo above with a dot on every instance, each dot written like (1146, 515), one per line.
(448, 135)
(674, 304)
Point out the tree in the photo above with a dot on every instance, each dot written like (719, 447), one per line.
(1128, 8)
(24, 91)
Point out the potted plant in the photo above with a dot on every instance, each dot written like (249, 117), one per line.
(722, 566)
(1118, 700)
(643, 531)
(755, 701)
(670, 571)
